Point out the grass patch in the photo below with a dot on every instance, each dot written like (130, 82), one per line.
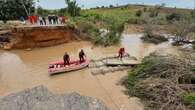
(189, 98)
(193, 46)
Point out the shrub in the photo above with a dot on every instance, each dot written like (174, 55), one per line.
(154, 13)
(136, 21)
(193, 46)
(139, 13)
(150, 37)
(193, 69)
(145, 9)
(112, 35)
(174, 16)
(192, 13)
(155, 81)
(189, 98)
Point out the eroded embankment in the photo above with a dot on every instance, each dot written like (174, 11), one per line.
(31, 37)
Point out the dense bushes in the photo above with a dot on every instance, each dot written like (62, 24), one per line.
(107, 34)
(174, 16)
(136, 20)
(14, 9)
(154, 13)
(193, 46)
(150, 37)
(156, 81)
(109, 26)
(154, 38)
(139, 13)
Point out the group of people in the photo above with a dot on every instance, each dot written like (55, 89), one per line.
(33, 19)
(66, 57)
(82, 56)
(42, 20)
(52, 19)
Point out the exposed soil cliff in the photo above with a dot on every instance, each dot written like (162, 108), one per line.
(31, 37)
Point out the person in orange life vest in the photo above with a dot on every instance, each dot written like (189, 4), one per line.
(121, 53)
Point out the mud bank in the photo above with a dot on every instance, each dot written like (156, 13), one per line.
(40, 98)
(36, 36)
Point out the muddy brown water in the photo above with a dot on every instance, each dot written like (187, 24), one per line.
(21, 69)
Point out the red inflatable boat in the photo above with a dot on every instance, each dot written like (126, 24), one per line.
(59, 67)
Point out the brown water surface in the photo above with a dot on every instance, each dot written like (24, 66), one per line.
(21, 69)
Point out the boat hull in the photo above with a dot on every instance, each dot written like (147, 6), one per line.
(58, 67)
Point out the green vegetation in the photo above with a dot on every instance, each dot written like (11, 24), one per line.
(174, 17)
(158, 82)
(193, 69)
(157, 15)
(14, 9)
(152, 38)
(72, 8)
(42, 12)
(46, 12)
(103, 28)
(113, 19)
(107, 14)
(193, 46)
(107, 34)
(139, 13)
(189, 98)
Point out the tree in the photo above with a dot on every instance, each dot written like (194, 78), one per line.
(40, 10)
(62, 11)
(111, 6)
(14, 9)
(73, 9)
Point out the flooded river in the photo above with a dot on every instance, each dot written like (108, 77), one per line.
(21, 69)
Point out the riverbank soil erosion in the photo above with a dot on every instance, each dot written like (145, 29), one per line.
(40, 36)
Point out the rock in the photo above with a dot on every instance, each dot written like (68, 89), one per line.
(39, 98)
